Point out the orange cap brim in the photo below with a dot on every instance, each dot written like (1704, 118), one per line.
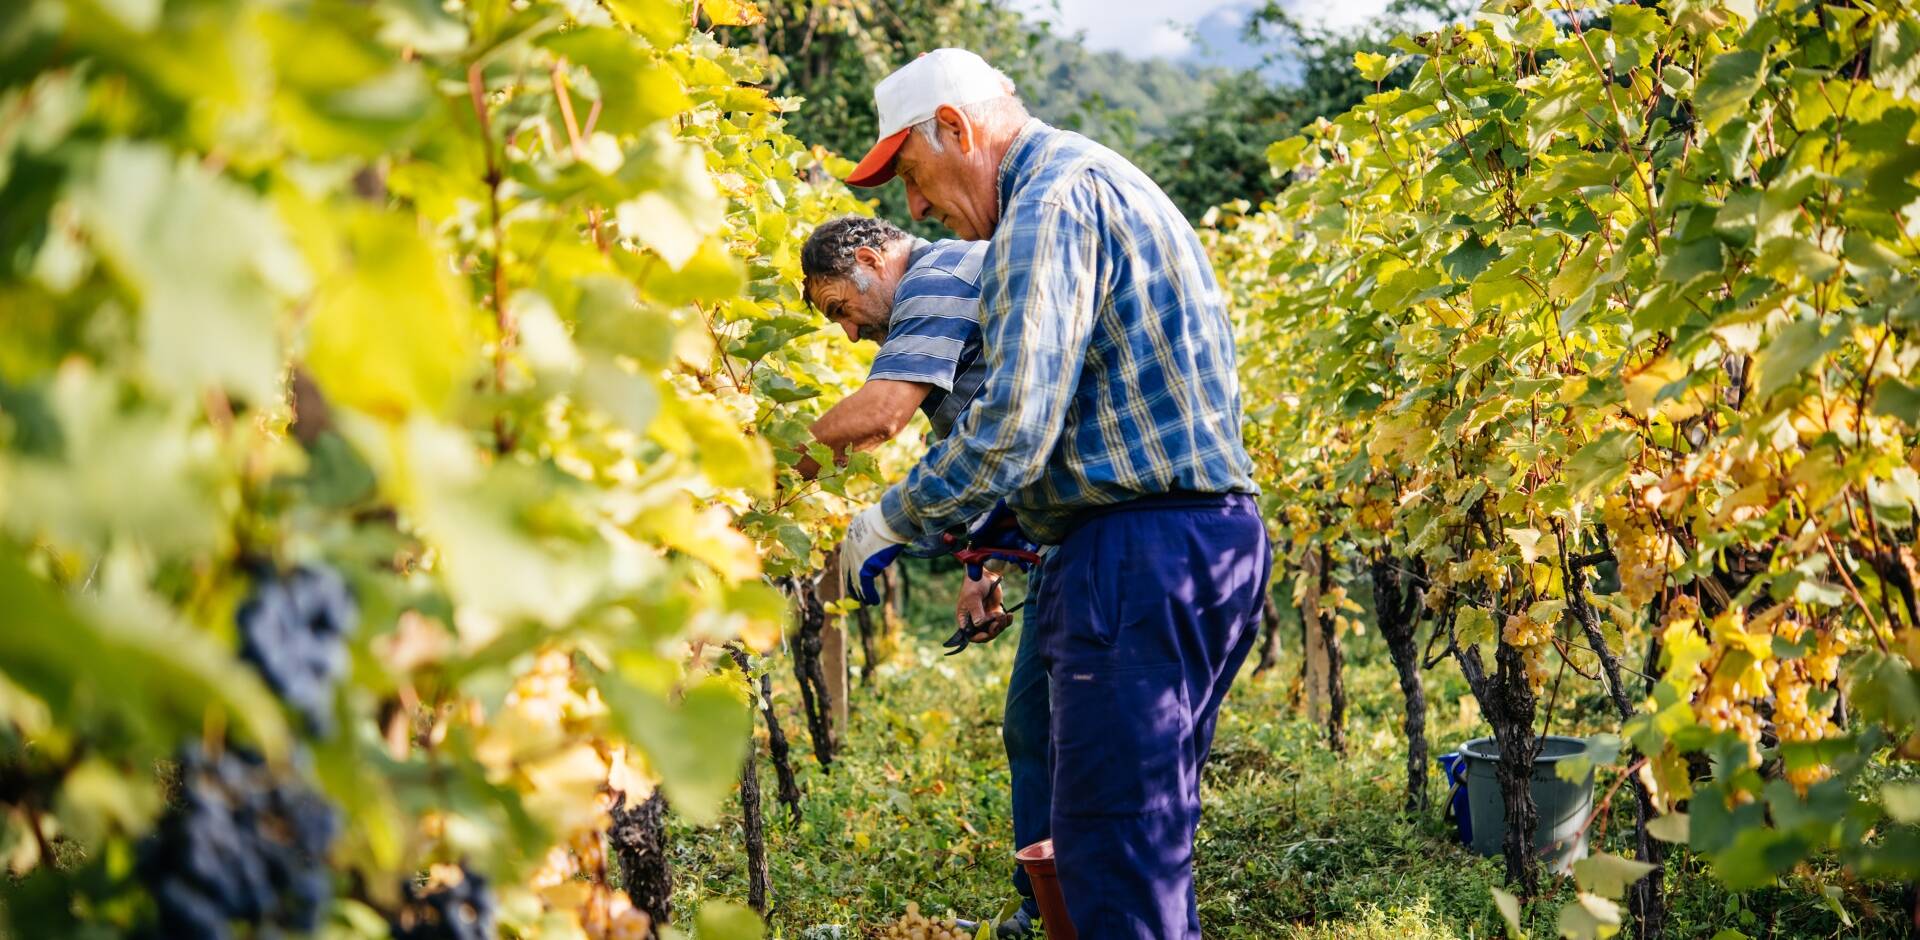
(877, 166)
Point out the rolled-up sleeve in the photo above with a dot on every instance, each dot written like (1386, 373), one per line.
(1039, 294)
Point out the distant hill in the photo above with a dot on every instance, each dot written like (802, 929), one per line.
(1121, 102)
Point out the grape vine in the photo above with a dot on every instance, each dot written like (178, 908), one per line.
(1602, 327)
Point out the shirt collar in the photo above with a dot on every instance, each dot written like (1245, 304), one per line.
(1014, 163)
(918, 251)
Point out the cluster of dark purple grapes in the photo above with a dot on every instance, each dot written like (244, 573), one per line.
(239, 844)
(293, 629)
(451, 912)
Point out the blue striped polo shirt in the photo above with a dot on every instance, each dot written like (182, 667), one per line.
(933, 335)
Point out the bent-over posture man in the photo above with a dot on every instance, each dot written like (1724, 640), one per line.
(1110, 422)
(921, 302)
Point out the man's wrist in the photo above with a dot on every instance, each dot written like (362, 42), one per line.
(893, 510)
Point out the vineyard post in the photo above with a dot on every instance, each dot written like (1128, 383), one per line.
(833, 649)
(1330, 641)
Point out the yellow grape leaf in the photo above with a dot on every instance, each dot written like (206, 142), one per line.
(1642, 388)
(699, 431)
(391, 332)
(1510, 912)
(1528, 541)
(1589, 917)
(704, 533)
(732, 12)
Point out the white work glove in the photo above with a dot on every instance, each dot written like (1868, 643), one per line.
(870, 547)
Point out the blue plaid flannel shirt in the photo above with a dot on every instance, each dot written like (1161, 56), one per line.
(1110, 358)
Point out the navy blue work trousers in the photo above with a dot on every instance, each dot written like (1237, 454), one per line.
(1148, 612)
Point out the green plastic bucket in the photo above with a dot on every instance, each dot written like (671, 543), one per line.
(1564, 807)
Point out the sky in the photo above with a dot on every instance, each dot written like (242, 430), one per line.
(1205, 31)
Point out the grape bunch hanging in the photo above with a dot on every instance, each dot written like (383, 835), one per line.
(293, 629)
(240, 844)
(461, 908)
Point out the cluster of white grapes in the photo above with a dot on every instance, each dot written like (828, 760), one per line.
(1533, 639)
(1641, 550)
(914, 925)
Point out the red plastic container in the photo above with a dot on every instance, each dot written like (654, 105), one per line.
(1037, 859)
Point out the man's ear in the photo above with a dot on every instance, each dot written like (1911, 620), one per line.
(954, 121)
(869, 257)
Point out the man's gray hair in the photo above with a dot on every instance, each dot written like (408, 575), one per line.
(1007, 109)
(829, 251)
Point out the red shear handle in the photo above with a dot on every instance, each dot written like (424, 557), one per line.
(974, 558)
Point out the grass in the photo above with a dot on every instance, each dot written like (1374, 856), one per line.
(1296, 842)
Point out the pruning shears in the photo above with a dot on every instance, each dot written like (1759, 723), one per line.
(963, 637)
(995, 535)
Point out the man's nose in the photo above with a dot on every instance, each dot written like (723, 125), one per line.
(853, 332)
(917, 204)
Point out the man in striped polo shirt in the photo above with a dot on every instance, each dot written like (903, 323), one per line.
(920, 301)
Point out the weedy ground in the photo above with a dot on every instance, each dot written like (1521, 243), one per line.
(1296, 841)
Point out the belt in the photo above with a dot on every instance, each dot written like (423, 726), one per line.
(1170, 500)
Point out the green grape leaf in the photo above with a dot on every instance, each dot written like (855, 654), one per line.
(1673, 827)
(210, 307)
(1790, 353)
(127, 669)
(1897, 399)
(1602, 462)
(696, 744)
(1896, 56)
(1728, 87)
(1608, 875)
(724, 920)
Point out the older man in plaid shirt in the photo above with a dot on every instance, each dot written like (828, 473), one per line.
(1110, 423)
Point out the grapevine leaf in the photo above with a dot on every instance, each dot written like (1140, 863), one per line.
(1896, 56)
(1790, 353)
(662, 22)
(1588, 917)
(695, 745)
(1509, 907)
(1899, 400)
(1602, 462)
(124, 668)
(1608, 875)
(391, 333)
(1467, 260)
(209, 306)
(732, 12)
(1728, 87)
(1669, 828)
(1375, 67)
(1902, 801)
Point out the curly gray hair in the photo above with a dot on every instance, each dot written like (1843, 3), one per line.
(829, 251)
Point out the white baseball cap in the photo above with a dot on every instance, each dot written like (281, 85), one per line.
(913, 92)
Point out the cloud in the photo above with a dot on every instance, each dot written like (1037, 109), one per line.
(1168, 41)
(1147, 29)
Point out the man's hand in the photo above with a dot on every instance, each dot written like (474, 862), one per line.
(979, 603)
(870, 547)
